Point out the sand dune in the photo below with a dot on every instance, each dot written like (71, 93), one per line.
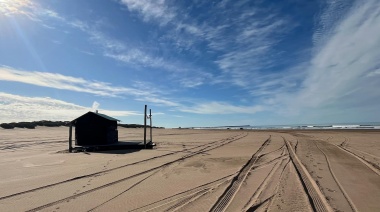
(193, 170)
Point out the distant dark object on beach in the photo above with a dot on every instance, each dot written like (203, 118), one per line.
(34, 124)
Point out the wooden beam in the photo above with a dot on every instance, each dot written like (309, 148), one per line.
(150, 119)
(145, 126)
(70, 138)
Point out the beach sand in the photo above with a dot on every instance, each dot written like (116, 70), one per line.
(193, 170)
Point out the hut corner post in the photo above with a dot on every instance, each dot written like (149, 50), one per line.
(70, 138)
(145, 126)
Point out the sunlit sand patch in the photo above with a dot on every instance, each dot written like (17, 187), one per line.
(29, 165)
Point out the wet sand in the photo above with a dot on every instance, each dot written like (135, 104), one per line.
(193, 170)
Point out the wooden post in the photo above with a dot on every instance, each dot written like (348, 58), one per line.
(145, 126)
(150, 118)
(70, 138)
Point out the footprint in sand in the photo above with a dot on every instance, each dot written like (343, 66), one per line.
(331, 190)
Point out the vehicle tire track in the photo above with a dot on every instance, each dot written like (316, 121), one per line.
(352, 205)
(26, 145)
(236, 183)
(208, 145)
(374, 167)
(252, 202)
(344, 147)
(188, 200)
(195, 190)
(206, 149)
(272, 198)
(128, 189)
(316, 198)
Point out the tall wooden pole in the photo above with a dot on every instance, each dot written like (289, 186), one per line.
(70, 138)
(145, 126)
(150, 118)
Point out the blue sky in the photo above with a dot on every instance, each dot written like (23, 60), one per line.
(194, 63)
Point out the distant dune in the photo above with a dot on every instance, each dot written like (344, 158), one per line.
(34, 124)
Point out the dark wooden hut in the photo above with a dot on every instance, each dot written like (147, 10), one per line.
(95, 129)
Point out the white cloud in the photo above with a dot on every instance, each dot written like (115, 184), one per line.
(29, 9)
(332, 13)
(220, 108)
(58, 109)
(182, 31)
(158, 101)
(15, 108)
(140, 58)
(338, 73)
(374, 73)
(244, 41)
(87, 52)
(160, 11)
(250, 48)
(179, 71)
(151, 10)
(59, 81)
(16, 7)
(63, 82)
(113, 48)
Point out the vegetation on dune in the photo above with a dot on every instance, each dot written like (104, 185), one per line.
(34, 124)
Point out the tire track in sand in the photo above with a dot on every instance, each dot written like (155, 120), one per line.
(374, 167)
(185, 194)
(207, 145)
(352, 205)
(206, 149)
(253, 201)
(236, 183)
(316, 198)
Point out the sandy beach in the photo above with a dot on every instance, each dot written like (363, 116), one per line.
(193, 170)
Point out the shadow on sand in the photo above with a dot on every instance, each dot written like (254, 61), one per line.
(122, 147)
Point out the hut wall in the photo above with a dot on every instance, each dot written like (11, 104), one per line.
(94, 130)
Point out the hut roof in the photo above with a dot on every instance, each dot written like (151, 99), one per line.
(98, 114)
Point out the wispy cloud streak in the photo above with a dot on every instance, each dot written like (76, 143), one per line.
(221, 108)
(243, 44)
(23, 108)
(59, 81)
(342, 71)
(77, 84)
(151, 10)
